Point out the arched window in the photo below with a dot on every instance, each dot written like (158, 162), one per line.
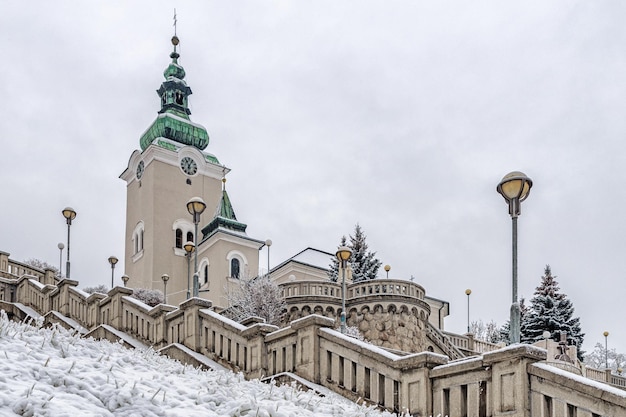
(138, 238)
(179, 238)
(206, 274)
(190, 237)
(234, 268)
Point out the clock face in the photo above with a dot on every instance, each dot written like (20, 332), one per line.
(140, 168)
(188, 165)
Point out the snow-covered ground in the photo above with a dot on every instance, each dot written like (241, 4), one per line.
(51, 372)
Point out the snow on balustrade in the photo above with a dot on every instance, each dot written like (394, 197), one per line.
(509, 379)
(385, 287)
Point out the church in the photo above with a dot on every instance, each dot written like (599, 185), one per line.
(161, 238)
(171, 169)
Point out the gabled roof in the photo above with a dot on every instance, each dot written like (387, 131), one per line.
(310, 257)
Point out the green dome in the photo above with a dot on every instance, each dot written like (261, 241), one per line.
(175, 128)
(173, 121)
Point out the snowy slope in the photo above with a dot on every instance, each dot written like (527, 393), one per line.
(51, 372)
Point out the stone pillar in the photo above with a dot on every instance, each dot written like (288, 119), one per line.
(308, 345)
(63, 295)
(193, 323)
(510, 380)
(117, 310)
(4, 262)
(416, 388)
(49, 277)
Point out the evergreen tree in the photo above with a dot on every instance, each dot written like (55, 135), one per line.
(333, 271)
(363, 262)
(551, 311)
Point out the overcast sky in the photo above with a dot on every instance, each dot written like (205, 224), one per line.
(402, 116)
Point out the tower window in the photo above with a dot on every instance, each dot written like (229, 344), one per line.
(234, 268)
(138, 238)
(179, 98)
(190, 237)
(206, 274)
(179, 238)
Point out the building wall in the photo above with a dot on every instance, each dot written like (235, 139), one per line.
(157, 202)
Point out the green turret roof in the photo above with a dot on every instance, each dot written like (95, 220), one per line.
(224, 217)
(173, 121)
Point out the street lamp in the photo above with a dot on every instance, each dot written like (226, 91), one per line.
(606, 349)
(125, 278)
(195, 207)
(268, 243)
(468, 292)
(189, 248)
(514, 187)
(61, 246)
(387, 269)
(112, 260)
(165, 278)
(69, 215)
(343, 254)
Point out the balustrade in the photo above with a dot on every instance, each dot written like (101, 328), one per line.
(508, 381)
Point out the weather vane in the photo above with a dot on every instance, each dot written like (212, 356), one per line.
(175, 21)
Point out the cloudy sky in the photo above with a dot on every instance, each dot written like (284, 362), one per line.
(401, 116)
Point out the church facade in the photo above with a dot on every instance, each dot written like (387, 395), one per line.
(171, 168)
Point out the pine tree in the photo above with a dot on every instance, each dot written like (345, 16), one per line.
(333, 271)
(363, 262)
(551, 311)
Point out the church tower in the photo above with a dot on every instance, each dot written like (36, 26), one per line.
(171, 168)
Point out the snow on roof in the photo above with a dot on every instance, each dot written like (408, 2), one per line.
(313, 257)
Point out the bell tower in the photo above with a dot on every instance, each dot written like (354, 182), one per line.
(171, 168)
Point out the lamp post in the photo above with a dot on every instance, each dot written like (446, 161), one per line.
(165, 278)
(61, 246)
(125, 278)
(189, 248)
(195, 207)
(112, 260)
(468, 292)
(514, 187)
(268, 243)
(606, 349)
(387, 269)
(69, 215)
(343, 254)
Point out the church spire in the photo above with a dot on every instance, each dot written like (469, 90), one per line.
(224, 216)
(173, 121)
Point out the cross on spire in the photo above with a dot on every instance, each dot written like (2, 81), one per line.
(175, 21)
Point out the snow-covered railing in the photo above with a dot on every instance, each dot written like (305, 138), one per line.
(557, 392)
(508, 381)
(312, 289)
(385, 287)
(10, 268)
(443, 342)
(469, 345)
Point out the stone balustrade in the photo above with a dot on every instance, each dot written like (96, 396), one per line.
(512, 381)
(10, 268)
